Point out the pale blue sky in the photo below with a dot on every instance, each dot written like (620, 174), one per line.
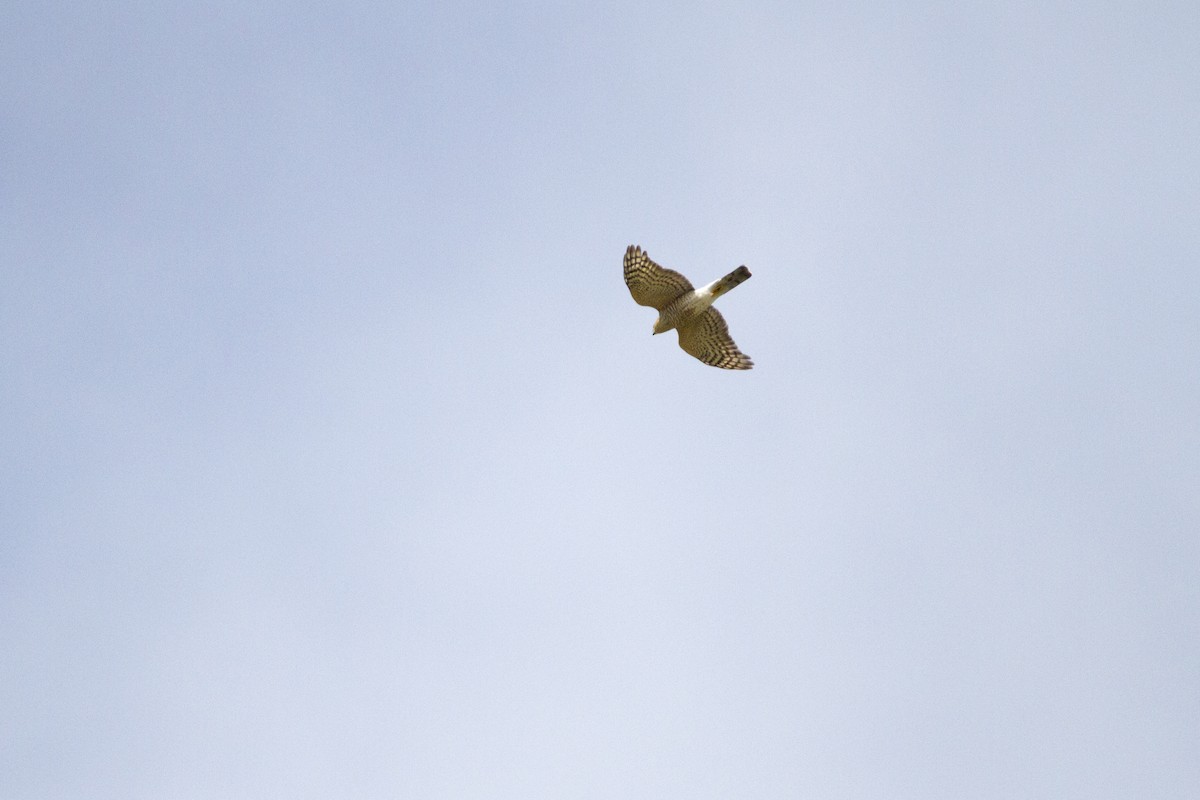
(338, 462)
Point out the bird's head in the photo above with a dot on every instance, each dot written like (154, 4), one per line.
(660, 326)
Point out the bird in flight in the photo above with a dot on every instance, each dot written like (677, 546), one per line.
(702, 330)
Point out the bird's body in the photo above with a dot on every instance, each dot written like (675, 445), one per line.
(702, 330)
(691, 304)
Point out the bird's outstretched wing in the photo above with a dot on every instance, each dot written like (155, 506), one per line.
(707, 338)
(650, 284)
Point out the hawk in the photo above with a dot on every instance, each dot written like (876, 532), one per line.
(702, 330)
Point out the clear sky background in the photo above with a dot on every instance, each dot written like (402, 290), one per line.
(338, 462)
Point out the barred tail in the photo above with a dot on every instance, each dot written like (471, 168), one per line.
(729, 281)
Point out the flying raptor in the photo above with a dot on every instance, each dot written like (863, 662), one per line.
(702, 330)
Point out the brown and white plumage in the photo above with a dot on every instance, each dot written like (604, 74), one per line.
(702, 330)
